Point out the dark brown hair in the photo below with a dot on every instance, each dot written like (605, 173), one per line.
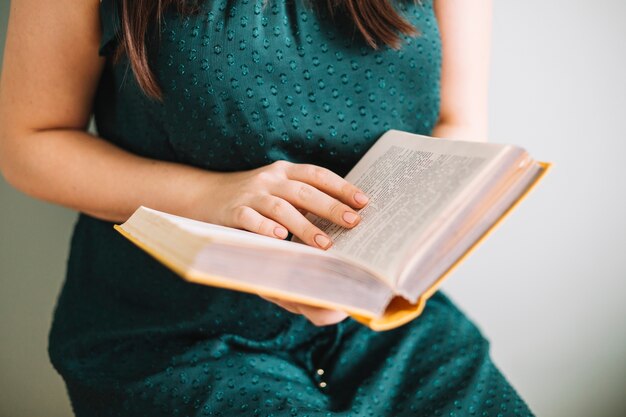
(377, 21)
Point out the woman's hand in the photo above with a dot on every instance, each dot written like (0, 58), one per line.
(274, 199)
(270, 200)
(316, 315)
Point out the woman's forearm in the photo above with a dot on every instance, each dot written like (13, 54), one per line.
(465, 28)
(46, 99)
(78, 170)
(460, 132)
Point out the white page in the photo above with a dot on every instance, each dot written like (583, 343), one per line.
(224, 234)
(410, 180)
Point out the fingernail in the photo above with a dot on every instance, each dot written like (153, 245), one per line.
(361, 198)
(280, 232)
(322, 241)
(349, 217)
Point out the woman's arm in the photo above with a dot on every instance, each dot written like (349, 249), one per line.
(49, 77)
(51, 71)
(465, 27)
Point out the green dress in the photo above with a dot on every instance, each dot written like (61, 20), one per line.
(245, 86)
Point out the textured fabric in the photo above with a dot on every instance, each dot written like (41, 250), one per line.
(245, 86)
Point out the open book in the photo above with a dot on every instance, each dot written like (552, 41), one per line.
(432, 201)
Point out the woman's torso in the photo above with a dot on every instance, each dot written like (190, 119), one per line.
(242, 87)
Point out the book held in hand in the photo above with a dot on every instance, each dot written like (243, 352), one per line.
(432, 201)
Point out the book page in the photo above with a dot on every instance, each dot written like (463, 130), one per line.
(468, 229)
(223, 234)
(323, 281)
(410, 180)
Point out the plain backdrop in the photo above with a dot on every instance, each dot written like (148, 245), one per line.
(547, 288)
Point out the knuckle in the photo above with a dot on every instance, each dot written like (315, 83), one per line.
(310, 171)
(263, 177)
(263, 226)
(336, 209)
(264, 201)
(304, 192)
(249, 197)
(347, 189)
(318, 174)
(280, 165)
(278, 207)
(242, 214)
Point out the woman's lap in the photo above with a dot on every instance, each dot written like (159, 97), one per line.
(436, 365)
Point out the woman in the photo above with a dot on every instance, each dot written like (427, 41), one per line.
(247, 115)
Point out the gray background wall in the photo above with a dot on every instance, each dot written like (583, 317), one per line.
(547, 288)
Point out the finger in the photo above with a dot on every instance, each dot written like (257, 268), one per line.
(249, 219)
(328, 182)
(318, 316)
(283, 212)
(322, 316)
(301, 194)
(289, 306)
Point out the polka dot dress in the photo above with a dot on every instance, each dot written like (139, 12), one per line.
(245, 85)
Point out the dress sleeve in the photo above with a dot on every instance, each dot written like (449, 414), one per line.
(111, 24)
